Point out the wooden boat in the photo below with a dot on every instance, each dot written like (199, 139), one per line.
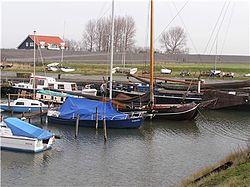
(174, 111)
(227, 99)
(91, 111)
(21, 136)
(21, 105)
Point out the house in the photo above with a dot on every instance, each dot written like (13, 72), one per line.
(48, 42)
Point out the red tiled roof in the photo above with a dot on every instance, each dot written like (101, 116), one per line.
(47, 39)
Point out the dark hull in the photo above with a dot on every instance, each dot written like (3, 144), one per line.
(184, 112)
(224, 100)
(173, 98)
(132, 123)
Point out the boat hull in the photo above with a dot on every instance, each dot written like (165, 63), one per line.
(181, 113)
(21, 109)
(18, 143)
(131, 123)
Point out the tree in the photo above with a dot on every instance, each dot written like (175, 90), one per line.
(174, 40)
(73, 45)
(97, 34)
(89, 35)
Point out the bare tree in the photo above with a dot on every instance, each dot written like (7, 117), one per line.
(73, 45)
(89, 35)
(97, 34)
(174, 40)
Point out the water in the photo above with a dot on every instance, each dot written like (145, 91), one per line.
(160, 153)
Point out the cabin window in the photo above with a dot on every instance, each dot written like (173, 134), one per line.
(31, 44)
(73, 86)
(27, 44)
(34, 104)
(40, 82)
(19, 103)
(51, 86)
(60, 86)
(62, 99)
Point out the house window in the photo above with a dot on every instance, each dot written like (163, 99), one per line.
(27, 44)
(31, 44)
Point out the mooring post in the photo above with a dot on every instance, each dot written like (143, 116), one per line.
(96, 119)
(77, 125)
(10, 110)
(41, 112)
(199, 86)
(105, 129)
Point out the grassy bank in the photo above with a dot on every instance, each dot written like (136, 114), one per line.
(236, 175)
(103, 69)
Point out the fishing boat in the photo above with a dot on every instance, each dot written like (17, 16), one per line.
(19, 135)
(90, 111)
(21, 105)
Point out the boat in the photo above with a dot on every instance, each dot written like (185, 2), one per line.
(166, 71)
(21, 105)
(45, 82)
(124, 70)
(91, 111)
(19, 135)
(154, 110)
(67, 69)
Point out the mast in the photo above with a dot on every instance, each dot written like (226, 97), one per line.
(152, 53)
(34, 65)
(111, 52)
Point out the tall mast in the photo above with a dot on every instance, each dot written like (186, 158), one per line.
(152, 53)
(34, 65)
(111, 53)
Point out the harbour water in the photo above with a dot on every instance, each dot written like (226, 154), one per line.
(160, 153)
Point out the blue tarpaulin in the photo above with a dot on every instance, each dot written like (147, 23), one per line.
(22, 128)
(86, 109)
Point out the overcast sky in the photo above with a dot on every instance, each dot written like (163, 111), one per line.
(198, 18)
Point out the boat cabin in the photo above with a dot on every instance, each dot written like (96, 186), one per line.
(42, 82)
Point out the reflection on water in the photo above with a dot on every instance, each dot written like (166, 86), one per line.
(160, 153)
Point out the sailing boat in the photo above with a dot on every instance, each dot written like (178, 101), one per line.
(166, 111)
(90, 112)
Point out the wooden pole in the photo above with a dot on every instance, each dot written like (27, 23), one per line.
(41, 112)
(96, 120)
(105, 129)
(9, 104)
(77, 125)
(152, 54)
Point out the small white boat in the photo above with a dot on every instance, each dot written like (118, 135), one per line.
(166, 71)
(124, 70)
(247, 75)
(53, 68)
(21, 105)
(89, 91)
(53, 64)
(67, 69)
(21, 136)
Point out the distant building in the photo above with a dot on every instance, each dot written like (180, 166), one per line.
(48, 42)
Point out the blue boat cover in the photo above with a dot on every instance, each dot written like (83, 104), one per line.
(22, 128)
(86, 109)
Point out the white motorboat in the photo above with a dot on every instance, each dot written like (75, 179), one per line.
(21, 105)
(166, 71)
(21, 136)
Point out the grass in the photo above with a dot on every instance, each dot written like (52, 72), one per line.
(237, 175)
(103, 69)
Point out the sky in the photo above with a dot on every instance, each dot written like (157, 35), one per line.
(198, 18)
